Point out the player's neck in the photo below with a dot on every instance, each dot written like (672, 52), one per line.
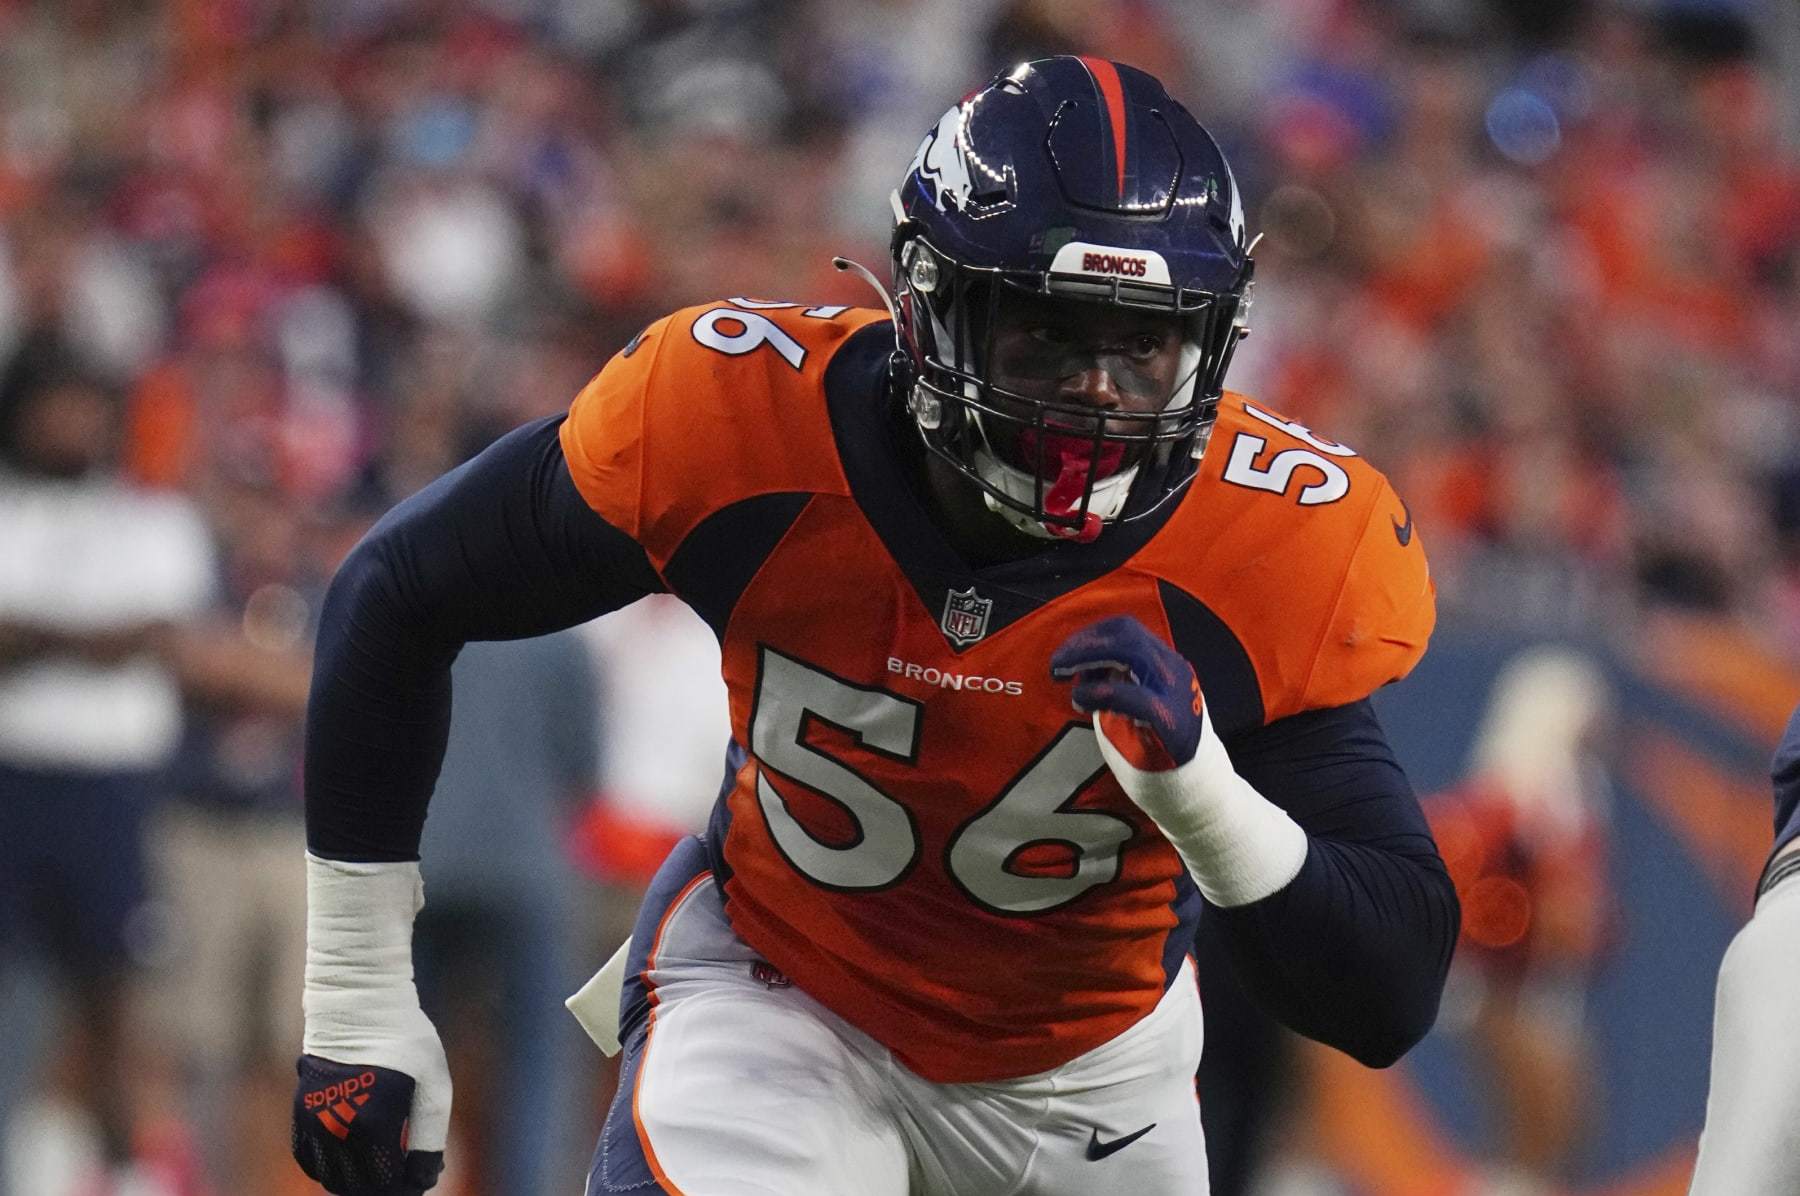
(978, 535)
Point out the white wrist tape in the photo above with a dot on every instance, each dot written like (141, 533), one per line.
(1238, 846)
(360, 1002)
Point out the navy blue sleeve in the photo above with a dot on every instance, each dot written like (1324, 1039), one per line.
(1784, 773)
(1354, 951)
(503, 547)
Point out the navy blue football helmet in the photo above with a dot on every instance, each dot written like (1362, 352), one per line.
(1072, 179)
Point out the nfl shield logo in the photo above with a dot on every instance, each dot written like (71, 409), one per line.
(966, 616)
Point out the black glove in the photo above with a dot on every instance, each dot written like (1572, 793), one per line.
(350, 1129)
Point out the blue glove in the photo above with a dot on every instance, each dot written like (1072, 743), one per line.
(1143, 694)
(350, 1130)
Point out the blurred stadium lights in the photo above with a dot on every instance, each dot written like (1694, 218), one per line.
(1523, 126)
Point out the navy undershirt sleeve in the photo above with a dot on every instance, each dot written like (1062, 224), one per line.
(1354, 951)
(503, 547)
(1784, 774)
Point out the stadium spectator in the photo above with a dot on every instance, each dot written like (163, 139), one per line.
(93, 578)
(229, 842)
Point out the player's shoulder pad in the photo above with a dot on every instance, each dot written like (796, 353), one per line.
(706, 407)
(1305, 551)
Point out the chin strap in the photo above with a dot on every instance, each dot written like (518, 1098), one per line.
(1104, 504)
(1017, 518)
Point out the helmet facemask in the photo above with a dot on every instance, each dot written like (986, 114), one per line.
(1057, 467)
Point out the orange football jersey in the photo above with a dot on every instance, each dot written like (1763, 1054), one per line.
(923, 834)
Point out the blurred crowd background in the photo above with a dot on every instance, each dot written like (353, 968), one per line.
(269, 266)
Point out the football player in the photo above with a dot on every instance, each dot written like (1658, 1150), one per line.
(1748, 1147)
(1038, 645)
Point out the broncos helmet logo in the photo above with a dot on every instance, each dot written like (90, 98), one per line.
(1236, 216)
(942, 163)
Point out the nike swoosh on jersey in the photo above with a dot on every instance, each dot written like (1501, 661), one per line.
(1403, 531)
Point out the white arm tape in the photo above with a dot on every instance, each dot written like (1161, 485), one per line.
(1237, 844)
(360, 1002)
(596, 1004)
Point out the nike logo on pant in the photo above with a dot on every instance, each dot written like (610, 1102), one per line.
(1099, 1150)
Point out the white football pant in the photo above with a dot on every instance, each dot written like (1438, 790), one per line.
(742, 1085)
(1751, 1144)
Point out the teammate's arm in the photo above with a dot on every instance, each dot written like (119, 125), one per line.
(503, 547)
(1753, 1102)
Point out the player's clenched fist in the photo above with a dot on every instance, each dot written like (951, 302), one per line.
(1150, 719)
(351, 1130)
(1142, 693)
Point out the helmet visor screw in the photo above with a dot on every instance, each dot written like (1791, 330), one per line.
(927, 409)
(924, 273)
